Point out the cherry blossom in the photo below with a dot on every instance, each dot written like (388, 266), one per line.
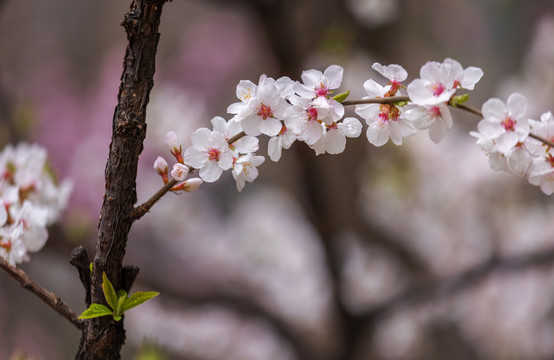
(505, 123)
(435, 86)
(245, 169)
(283, 140)
(384, 120)
(436, 118)
(261, 107)
(30, 200)
(244, 145)
(333, 140)
(209, 153)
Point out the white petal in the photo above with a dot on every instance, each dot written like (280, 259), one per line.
(270, 126)
(274, 148)
(517, 105)
(200, 138)
(334, 76)
(335, 141)
(437, 131)
(195, 158)
(210, 172)
(377, 133)
(350, 127)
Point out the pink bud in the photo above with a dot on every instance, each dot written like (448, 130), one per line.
(180, 172)
(189, 185)
(174, 144)
(160, 165)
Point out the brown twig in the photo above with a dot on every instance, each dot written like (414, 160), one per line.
(145, 207)
(379, 100)
(46, 296)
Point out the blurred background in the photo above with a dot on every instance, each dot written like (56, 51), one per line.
(412, 252)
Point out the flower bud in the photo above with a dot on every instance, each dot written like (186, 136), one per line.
(160, 165)
(180, 172)
(188, 185)
(174, 144)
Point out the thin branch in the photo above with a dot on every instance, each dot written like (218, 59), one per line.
(145, 207)
(379, 100)
(46, 296)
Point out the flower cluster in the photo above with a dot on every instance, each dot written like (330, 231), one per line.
(505, 135)
(287, 111)
(30, 200)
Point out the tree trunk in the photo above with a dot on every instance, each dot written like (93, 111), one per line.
(102, 338)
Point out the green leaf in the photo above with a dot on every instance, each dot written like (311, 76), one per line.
(121, 298)
(90, 268)
(400, 103)
(459, 99)
(109, 291)
(94, 311)
(341, 97)
(138, 298)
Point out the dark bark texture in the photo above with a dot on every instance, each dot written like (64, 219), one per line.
(103, 337)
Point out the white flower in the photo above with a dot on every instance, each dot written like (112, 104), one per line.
(541, 173)
(245, 169)
(394, 73)
(317, 84)
(544, 129)
(505, 124)
(435, 85)
(333, 140)
(305, 120)
(436, 118)
(464, 78)
(244, 145)
(261, 107)
(30, 201)
(12, 248)
(209, 153)
(384, 120)
(283, 140)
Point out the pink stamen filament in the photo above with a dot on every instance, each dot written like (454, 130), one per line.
(388, 112)
(213, 154)
(509, 124)
(312, 114)
(437, 89)
(321, 90)
(265, 111)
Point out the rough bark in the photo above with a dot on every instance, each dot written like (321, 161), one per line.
(103, 337)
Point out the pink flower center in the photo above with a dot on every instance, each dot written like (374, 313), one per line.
(312, 114)
(388, 112)
(265, 111)
(509, 124)
(436, 111)
(213, 154)
(321, 90)
(550, 159)
(437, 89)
